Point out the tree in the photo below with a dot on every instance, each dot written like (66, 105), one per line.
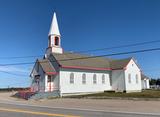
(153, 82)
(158, 82)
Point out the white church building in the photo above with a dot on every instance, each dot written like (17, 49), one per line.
(72, 73)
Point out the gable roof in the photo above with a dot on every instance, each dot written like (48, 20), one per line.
(46, 66)
(119, 64)
(84, 61)
(74, 59)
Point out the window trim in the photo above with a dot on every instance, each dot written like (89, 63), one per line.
(129, 78)
(94, 79)
(71, 80)
(103, 79)
(137, 79)
(83, 78)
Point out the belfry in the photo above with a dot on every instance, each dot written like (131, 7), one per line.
(54, 38)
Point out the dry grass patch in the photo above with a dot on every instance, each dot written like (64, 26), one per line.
(143, 94)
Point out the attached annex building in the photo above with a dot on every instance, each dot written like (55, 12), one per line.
(72, 73)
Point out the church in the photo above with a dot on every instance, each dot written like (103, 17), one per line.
(71, 73)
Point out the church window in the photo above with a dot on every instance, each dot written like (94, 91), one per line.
(129, 78)
(83, 78)
(103, 79)
(71, 78)
(137, 78)
(57, 41)
(94, 79)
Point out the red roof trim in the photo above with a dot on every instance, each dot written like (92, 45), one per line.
(89, 68)
(51, 73)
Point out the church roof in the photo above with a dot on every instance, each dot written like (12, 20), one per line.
(54, 30)
(73, 59)
(79, 60)
(120, 63)
(46, 66)
(144, 76)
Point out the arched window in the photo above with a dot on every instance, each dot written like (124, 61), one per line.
(71, 78)
(103, 79)
(57, 41)
(83, 78)
(94, 79)
(129, 78)
(137, 78)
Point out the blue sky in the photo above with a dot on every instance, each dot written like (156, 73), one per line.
(84, 25)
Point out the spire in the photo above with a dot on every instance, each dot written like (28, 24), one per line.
(54, 30)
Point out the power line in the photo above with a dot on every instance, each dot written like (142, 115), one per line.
(154, 69)
(120, 46)
(10, 73)
(113, 54)
(25, 63)
(18, 57)
(91, 50)
(89, 57)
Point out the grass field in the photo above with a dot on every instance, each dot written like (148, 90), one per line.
(143, 94)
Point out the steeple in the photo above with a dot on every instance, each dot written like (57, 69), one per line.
(54, 38)
(54, 30)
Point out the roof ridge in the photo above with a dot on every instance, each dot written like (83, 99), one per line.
(128, 58)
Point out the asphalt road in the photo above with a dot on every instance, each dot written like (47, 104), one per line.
(16, 110)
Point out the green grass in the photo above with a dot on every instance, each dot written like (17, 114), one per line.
(143, 94)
